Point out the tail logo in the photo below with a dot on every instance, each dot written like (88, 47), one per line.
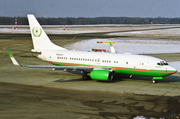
(37, 31)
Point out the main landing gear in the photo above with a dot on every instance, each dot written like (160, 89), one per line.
(86, 77)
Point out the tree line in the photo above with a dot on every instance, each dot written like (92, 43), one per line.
(89, 21)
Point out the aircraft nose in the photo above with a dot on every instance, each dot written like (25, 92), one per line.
(172, 69)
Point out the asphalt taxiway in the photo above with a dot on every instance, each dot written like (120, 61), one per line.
(42, 93)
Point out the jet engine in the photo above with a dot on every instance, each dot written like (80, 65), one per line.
(102, 75)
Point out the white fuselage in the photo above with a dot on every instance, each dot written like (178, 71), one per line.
(102, 59)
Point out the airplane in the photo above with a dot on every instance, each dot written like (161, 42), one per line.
(99, 66)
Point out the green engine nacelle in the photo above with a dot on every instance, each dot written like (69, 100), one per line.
(102, 75)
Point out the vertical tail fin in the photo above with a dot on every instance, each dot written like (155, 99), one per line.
(40, 39)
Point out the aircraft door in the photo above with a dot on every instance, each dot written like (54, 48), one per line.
(98, 61)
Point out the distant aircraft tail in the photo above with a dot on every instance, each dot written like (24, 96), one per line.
(40, 39)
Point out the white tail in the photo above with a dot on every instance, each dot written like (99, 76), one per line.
(40, 39)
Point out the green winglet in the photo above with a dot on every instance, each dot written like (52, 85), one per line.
(13, 59)
(110, 43)
(9, 53)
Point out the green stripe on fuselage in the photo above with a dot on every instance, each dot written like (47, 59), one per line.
(123, 70)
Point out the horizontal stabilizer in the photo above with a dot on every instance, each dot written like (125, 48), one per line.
(26, 51)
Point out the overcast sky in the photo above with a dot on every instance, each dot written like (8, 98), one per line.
(91, 8)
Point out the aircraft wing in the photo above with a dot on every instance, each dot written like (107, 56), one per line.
(86, 69)
(65, 68)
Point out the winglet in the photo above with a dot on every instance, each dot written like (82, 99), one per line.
(13, 59)
(112, 48)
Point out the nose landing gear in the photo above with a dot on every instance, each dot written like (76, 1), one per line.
(153, 81)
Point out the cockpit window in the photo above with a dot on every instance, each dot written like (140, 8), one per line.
(162, 63)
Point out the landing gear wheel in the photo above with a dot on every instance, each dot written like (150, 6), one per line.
(153, 81)
(85, 77)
